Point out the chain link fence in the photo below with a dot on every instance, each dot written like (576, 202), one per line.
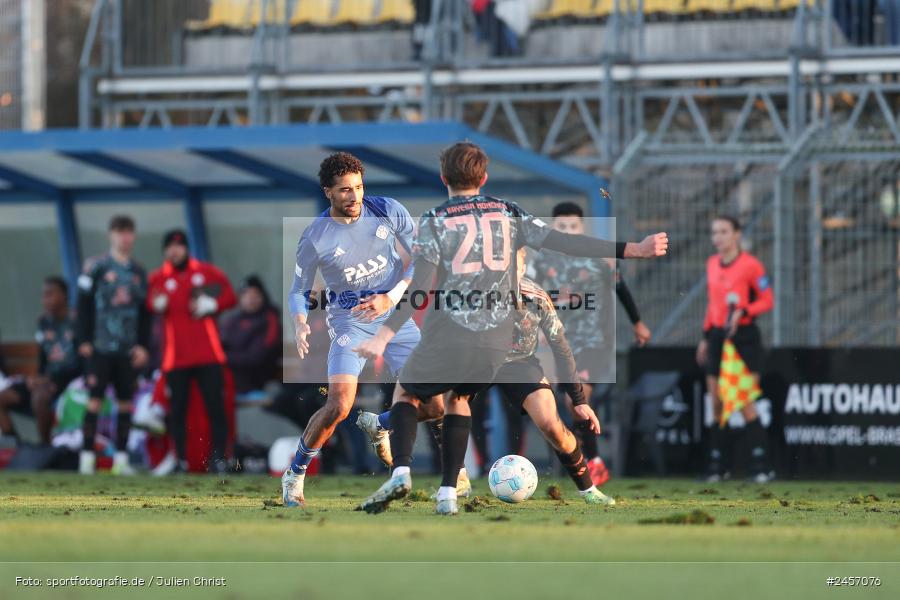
(836, 266)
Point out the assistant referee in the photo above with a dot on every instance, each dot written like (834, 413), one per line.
(738, 291)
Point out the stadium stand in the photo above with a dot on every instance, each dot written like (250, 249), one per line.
(355, 12)
(312, 14)
(241, 15)
(560, 9)
(396, 12)
(223, 14)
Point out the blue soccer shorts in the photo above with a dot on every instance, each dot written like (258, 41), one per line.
(346, 335)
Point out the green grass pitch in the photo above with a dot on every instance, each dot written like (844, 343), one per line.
(664, 539)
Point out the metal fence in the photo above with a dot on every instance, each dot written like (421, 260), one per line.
(831, 245)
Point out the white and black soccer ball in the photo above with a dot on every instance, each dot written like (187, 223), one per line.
(513, 479)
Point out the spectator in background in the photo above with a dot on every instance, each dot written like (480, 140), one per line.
(189, 293)
(496, 31)
(112, 333)
(420, 26)
(59, 363)
(251, 337)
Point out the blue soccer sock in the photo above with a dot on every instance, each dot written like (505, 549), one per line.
(303, 457)
(384, 420)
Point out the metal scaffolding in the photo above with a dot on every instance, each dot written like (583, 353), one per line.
(800, 137)
(584, 109)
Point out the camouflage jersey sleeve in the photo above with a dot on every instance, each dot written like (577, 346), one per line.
(566, 371)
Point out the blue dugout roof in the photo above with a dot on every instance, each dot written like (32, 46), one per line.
(192, 163)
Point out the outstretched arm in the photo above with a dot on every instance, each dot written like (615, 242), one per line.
(591, 247)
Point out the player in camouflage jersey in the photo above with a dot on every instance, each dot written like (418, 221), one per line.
(522, 381)
(469, 243)
(112, 333)
(589, 331)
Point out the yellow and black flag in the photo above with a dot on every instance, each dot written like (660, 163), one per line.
(737, 385)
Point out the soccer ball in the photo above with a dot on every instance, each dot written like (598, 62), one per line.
(513, 479)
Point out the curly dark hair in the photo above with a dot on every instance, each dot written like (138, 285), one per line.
(338, 164)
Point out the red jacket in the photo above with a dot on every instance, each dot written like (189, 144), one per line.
(188, 341)
(744, 276)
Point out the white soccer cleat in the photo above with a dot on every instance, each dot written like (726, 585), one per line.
(595, 496)
(380, 438)
(121, 464)
(292, 488)
(166, 466)
(463, 486)
(447, 506)
(392, 489)
(87, 462)
(150, 417)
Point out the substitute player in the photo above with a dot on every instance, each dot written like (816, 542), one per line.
(738, 291)
(59, 363)
(523, 384)
(188, 294)
(588, 331)
(354, 246)
(470, 242)
(112, 332)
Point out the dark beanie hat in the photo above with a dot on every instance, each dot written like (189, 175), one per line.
(254, 281)
(175, 236)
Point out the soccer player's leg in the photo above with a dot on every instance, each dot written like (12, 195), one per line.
(541, 407)
(403, 423)
(378, 427)
(480, 409)
(587, 438)
(590, 362)
(211, 382)
(429, 409)
(455, 440)
(179, 383)
(97, 378)
(474, 369)
(718, 436)
(749, 346)
(44, 390)
(12, 398)
(344, 367)
(124, 379)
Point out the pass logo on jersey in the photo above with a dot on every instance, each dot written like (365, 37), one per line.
(360, 271)
(763, 283)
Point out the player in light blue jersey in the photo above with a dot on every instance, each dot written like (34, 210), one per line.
(354, 245)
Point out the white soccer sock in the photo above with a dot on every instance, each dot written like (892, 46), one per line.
(591, 489)
(400, 471)
(445, 492)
